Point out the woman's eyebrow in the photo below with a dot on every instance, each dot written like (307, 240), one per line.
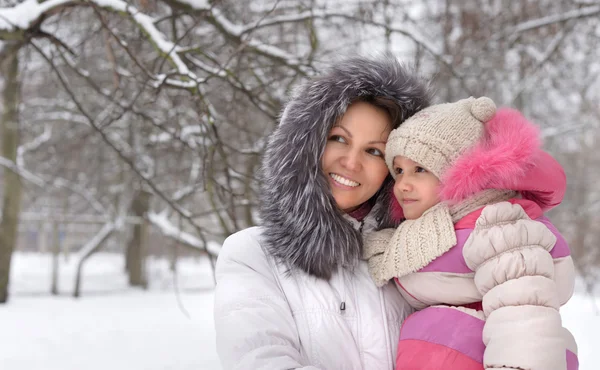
(370, 142)
(345, 129)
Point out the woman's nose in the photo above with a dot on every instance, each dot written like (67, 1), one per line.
(352, 160)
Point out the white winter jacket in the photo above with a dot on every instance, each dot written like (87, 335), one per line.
(267, 318)
(294, 294)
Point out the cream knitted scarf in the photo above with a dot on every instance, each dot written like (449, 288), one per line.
(416, 243)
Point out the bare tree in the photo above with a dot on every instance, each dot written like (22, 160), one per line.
(175, 98)
(11, 200)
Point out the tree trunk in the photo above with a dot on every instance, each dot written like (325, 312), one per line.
(55, 257)
(136, 249)
(11, 202)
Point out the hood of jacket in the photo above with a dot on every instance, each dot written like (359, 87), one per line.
(303, 226)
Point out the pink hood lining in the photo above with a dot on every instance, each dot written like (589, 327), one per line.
(509, 157)
(498, 161)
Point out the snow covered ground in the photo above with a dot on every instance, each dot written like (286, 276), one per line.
(111, 326)
(119, 328)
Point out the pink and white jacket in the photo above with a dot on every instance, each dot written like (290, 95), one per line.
(507, 283)
(492, 300)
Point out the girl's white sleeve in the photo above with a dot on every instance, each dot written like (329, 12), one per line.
(514, 272)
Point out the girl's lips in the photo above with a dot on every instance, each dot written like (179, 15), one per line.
(408, 201)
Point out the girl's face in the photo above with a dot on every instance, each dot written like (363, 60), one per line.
(416, 189)
(353, 160)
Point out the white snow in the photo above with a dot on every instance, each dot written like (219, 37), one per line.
(582, 317)
(111, 326)
(165, 46)
(29, 176)
(544, 21)
(168, 229)
(116, 327)
(33, 144)
(94, 242)
(197, 4)
(23, 15)
(231, 28)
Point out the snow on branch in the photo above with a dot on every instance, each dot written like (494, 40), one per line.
(541, 59)
(288, 18)
(545, 21)
(196, 4)
(82, 192)
(165, 46)
(57, 182)
(237, 32)
(33, 145)
(88, 248)
(320, 14)
(25, 174)
(24, 15)
(168, 229)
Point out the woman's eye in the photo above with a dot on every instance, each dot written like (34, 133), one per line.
(337, 138)
(420, 169)
(398, 171)
(375, 152)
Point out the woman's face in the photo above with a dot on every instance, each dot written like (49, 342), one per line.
(353, 160)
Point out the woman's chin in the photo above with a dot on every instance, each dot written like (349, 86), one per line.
(348, 206)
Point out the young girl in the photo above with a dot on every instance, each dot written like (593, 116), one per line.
(468, 255)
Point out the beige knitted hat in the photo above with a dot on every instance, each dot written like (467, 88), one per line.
(436, 136)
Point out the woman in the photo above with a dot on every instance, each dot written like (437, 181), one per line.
(294, 294)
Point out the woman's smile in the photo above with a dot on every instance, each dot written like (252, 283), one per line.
(342, 180)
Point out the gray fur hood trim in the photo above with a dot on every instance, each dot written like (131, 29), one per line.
(303, 228)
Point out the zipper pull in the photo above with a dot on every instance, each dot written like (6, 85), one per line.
(343, 306)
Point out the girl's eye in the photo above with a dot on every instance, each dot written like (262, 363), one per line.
(376, 152)
(337, 138)
(420, 169)
(398, 171)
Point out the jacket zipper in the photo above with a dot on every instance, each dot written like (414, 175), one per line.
(386, 329)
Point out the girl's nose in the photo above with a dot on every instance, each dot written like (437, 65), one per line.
(402, 185)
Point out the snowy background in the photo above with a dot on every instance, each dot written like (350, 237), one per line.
(134, 128)
(170, 326)
(111, 326)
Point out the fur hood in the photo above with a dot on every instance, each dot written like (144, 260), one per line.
(303, 228)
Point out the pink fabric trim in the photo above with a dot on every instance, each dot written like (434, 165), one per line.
(572, 361)
(361, 212)
(453, 260)
(395, 208)
(533, 210)
(419, 355)
(448, 327)
(545, 183)
(406, 291)
(477, 306)
(561, 248)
